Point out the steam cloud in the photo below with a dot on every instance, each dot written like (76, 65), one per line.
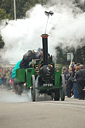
(9, 96)
(66, 26)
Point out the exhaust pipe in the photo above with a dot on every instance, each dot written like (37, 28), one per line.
(45, 48)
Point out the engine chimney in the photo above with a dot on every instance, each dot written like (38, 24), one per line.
(45, 48)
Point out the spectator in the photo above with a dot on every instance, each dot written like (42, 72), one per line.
(7, 77)
(0, 81)
(4, 78)
(75, 90)
(72, 65)
(77, 67)
(80, 77)
(69, 79)
(65, 72)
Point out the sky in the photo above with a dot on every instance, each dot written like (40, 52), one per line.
(66, 26)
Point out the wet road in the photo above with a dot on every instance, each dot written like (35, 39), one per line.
(20, 112)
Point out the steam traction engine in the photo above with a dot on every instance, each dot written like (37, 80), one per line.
(43, 77)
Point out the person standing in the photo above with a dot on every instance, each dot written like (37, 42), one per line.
(80, 78)
(69, 78)
(0, 81)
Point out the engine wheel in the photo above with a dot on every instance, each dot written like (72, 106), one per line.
(36, 86)
(62, 91)
(33, 88)
(57, 95)
(19, 89)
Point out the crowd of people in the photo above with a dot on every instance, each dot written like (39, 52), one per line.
(75, 80)
(5, 78)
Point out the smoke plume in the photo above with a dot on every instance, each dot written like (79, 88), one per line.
(66, 26)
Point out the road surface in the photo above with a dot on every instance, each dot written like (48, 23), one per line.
(19, 112)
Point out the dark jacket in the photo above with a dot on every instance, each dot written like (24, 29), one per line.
(80, 75)
(27, 58)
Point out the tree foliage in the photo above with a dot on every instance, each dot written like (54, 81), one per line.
(21, 7)
(80, 4)
(4, 15)
(1, 42)
(7, 10)
(79, 54)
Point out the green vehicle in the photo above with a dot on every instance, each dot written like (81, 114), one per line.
(42, 77)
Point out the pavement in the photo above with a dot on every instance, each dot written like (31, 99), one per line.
(20, 112)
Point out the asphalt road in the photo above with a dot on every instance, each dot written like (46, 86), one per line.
(19, 112)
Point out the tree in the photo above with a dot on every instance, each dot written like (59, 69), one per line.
(83, 54)
(1, 42)
(31, 3)
(3, 14)
(80, 4)
(80, 55)
(59, 53)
